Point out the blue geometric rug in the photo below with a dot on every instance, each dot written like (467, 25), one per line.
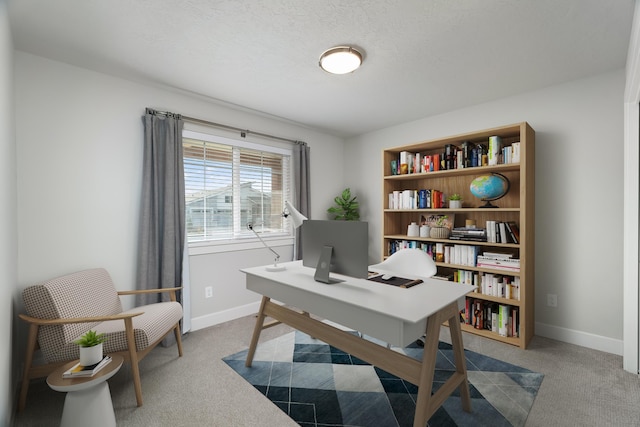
(319, 385)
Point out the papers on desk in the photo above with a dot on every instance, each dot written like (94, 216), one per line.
(400, 282)
(79, 371)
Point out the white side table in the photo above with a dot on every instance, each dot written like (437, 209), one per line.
(88, 400)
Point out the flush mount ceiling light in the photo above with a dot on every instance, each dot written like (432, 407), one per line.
(340, 60)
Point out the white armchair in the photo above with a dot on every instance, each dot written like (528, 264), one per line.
(60, 310)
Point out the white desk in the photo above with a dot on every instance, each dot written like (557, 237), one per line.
(391, 314)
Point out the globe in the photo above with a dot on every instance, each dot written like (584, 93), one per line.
(490, 187)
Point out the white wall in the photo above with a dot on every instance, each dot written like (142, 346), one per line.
(8, 222)
(79, 148)
(579, 184)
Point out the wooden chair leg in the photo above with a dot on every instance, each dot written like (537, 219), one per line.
(28, 360)
(133, 358)
(176, 330)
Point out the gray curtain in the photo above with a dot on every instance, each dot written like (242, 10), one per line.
(162, 220)
(301, 153)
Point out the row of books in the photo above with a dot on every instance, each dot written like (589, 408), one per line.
(498, 285)
(79, 371)
(414, 199)
(434, 250)
(499, 318)
(502, 232)
(468, 255)
(507, 287)
(467, 155)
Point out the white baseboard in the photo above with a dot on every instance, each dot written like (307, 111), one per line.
(224, 316)
(583, 339)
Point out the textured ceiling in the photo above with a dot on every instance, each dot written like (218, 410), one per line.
(422, 57)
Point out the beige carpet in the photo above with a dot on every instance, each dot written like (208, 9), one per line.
(581, 387)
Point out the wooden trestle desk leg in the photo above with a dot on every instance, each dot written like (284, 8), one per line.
(426, 404)
(256, 332)
(260, 325)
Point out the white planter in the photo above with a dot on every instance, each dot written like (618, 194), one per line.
(455, 204)
(90, 355)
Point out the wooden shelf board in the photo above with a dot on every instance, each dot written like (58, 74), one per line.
(479, 170)
(488, 334)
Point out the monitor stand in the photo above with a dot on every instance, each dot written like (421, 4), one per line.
(324, 267)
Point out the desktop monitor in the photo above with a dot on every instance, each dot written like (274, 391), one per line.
(340, 247)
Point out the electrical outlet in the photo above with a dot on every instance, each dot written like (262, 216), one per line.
(552, 300)
(208, 292)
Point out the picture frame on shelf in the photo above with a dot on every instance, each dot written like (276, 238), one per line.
(438, 220)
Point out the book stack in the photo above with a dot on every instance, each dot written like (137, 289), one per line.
(498, 261)
(503, 232)
(466, 233)
(80, 371)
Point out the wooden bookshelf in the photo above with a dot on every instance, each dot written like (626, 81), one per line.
(517, 205)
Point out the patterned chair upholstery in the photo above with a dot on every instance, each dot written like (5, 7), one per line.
(60, 310)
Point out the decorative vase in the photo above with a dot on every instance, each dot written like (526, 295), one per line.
(90, 355)
(455, 204)
(413, 230)
(439, 232)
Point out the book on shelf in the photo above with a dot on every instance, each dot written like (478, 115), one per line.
(514, 231)
(495, 147)
(515, 152)
(491, 231)
(405, 162)
(503, 320)
(505, 260)
(507, 154)
(497, 255)
(503, 232)
(500, 264)
(79, 371)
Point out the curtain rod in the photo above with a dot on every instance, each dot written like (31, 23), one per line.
(243, 132)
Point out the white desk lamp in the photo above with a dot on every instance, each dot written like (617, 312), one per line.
(295, 215)
(297, 219)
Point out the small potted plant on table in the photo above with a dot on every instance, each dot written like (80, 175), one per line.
(90, 347)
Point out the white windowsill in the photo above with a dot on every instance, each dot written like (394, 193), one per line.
(203, 248)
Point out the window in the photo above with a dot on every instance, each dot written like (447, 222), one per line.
(230, 183)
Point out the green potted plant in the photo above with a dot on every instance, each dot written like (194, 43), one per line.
(346, 207)
(90, 347)
(455, 201)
